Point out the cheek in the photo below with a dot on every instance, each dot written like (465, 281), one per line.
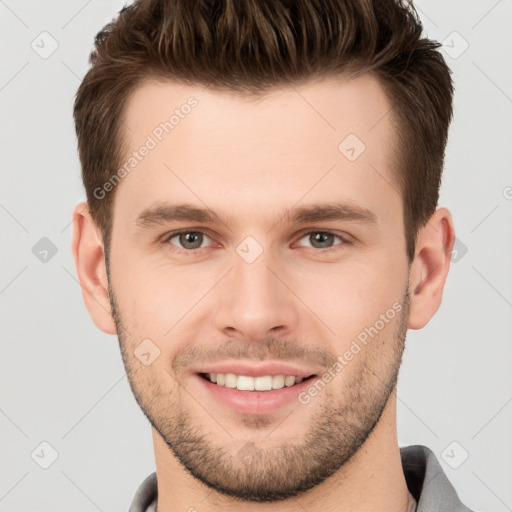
(349, 298)
(154, 298)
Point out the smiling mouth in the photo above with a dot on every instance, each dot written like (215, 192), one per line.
(247, 383)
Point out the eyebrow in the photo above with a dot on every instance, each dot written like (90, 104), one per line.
(162, 213)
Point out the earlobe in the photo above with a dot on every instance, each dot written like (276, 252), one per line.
(430, 267)
(89, 256)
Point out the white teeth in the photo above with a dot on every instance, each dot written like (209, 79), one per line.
(278, 381)
(289, 381)
(230, 381)
(262, 383)
(246, 383)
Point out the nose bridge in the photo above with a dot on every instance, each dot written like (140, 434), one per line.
(254, 298)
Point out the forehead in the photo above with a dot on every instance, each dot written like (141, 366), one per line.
(333, 105)
(327, 140)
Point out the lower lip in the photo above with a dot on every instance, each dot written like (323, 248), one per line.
(255, 402)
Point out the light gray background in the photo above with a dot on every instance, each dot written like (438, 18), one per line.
(62, 379)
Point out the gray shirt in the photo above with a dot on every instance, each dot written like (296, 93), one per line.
(429, 488)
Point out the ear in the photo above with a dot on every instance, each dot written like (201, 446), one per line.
(89, 256)
(429, 268)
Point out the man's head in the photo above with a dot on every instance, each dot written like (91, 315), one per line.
(248, 47)
(277, 207)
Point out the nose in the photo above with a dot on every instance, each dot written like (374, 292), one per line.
(255, 299)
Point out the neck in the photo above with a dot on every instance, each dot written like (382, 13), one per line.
(372, 479)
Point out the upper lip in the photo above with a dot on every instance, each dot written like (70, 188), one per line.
(252, 370)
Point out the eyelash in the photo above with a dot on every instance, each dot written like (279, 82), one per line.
(173, 234)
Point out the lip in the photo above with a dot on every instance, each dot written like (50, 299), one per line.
(251, 370)
(254, 402)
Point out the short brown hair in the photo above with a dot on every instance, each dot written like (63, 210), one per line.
(249, 46)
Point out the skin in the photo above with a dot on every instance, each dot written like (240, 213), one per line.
(251, 161)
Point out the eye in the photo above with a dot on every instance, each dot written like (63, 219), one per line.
(322, 240)
(189, 240)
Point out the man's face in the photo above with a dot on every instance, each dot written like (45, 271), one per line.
(260, 286)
